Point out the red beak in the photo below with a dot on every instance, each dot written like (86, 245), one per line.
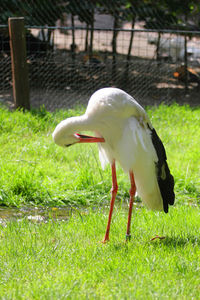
(89, 139)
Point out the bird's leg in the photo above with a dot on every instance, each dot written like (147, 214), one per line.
(113, 193)
(132, 194)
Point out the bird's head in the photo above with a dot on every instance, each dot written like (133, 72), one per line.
(65, 134)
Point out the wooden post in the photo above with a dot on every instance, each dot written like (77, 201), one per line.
(19, 64)
(186, 64)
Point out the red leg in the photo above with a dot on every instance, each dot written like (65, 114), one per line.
(132, 194)
(113, 193)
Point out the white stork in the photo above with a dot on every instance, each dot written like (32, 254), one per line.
(125, 134)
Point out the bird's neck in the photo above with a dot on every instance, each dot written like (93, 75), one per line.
(79, 123)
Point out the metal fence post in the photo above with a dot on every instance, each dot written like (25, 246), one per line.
(19, 64)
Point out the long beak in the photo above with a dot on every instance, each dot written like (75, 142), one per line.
(88, 139)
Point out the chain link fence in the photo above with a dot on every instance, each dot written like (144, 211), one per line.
(68, 63)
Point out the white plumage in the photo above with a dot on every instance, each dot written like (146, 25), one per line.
(125, 132)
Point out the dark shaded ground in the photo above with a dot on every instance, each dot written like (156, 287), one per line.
(58, 81)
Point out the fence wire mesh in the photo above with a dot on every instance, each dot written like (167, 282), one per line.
(71, 77)
(76, 47)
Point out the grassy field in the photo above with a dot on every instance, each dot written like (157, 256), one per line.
(60, 260)
(65, 260)
(36, 171)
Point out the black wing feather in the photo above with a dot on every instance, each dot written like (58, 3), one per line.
(164, 177)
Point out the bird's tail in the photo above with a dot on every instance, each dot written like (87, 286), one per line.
(164, 177)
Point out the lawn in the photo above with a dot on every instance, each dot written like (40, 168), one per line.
(66, 260)
(59, 260)
(36, 171)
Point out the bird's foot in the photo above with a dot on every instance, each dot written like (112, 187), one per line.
(158, 237)
(104, 241)
(128, 237)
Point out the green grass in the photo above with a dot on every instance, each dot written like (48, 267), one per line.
(66, 260)
(37, 172)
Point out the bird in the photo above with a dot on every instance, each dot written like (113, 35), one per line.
(181, 73)
(125, 135)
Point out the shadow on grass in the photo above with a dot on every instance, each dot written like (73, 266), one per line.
(179, 241)
(171, 242)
